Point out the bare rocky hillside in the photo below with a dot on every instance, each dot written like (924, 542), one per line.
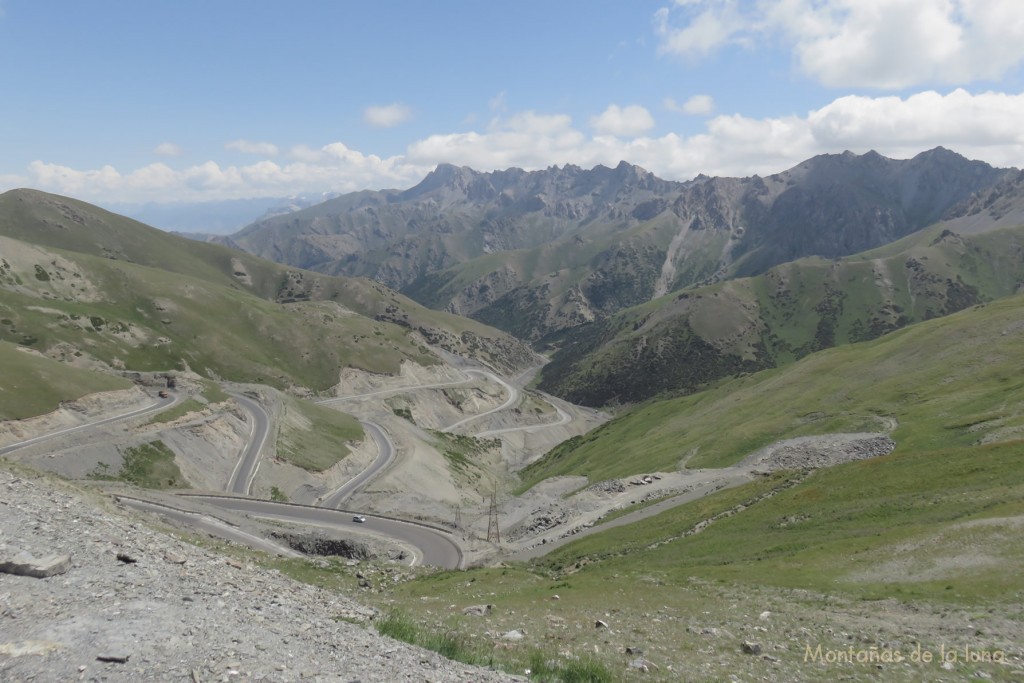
(137, 604)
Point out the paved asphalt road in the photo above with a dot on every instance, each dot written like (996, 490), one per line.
(435, 547)
(249, 460)
(161, 403)
(385, 454)
(210, 525)
(513, 397)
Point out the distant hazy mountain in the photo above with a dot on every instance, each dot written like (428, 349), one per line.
(213, 218)
(539, 252)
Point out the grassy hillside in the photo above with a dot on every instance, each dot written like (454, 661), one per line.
(852, 526)
(910, 550)
(144, 318)
(690, 340)
(314, 437)
(79, 281)
(33, 385)
(946, 382)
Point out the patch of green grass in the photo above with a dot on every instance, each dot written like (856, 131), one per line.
(546, 667)
(449, 644)
(213, 393)
(404, 413)
(463, 452)
(150, 466)
(32, 385)
(278, 495)
(189, 405)
(314, 437)
(453, 644)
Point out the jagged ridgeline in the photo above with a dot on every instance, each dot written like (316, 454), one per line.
(536, 253)
(80, 284)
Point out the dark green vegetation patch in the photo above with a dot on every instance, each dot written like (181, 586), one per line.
(149, 466)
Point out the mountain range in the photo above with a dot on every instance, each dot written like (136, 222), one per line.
(537, 253)
(635, 286)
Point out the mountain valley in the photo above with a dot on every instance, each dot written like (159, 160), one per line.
(669, 430)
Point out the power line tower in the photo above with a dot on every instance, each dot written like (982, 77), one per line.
(458, 520)
(493, 532)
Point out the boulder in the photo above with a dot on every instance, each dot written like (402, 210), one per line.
(23, 564)
(478, 610)
(643, 665)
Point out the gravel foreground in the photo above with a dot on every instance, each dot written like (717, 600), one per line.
(137, 604)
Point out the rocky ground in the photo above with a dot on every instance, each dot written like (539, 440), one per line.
(138, 604)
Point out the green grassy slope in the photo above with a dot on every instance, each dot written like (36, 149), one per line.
(313, 437)
(150, 319)
(945, 382)
(852, 526)
(912, 549)
(75, 280)
(60, 222)
(681, 343)
(33, 385)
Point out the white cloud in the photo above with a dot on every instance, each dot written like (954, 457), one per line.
(698, 105)
(265, 149)
(888, 44)
(980, 126)
(959, 120)
(525, 140)
(9, 181)
(387, 116)
(167, 149)
(709, 25)
(333, 168)
(623, 121)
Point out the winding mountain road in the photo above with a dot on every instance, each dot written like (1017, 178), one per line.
(433, 546)
(385, 456)
(513, 398)
(160, 404)
(210, 525)
(249, 459)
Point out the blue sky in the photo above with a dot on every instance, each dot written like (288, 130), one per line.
(190, 101)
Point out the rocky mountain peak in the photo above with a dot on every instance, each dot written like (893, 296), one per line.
(444, 177)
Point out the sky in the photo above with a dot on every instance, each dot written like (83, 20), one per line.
(186, 101)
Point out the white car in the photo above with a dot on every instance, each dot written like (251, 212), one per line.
(359, 518)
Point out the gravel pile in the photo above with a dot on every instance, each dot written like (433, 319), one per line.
(136, 604)
(814, 452)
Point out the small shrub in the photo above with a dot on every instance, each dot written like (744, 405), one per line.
(398, 626)
(549, 669)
